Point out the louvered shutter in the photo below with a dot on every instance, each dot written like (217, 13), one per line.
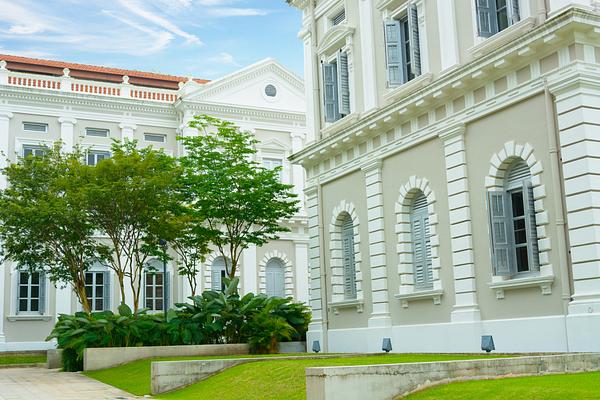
(330, 92)
(530, 225)
(275, 278)
(486, 19)
(17, 294)
(393, 52)
(515, 12)
(42, 301)
(348, 259)
(415, 42)
(215, 275)
(343, 83)
(503, 251)
(106, 291)
(167, 290)
(428, 258)
(419, 253)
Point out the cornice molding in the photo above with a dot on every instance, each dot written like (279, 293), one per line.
(6, 114)
(242, 112)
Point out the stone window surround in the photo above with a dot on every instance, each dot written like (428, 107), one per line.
(288, 274)
(407, 291)
(208, 269)
(13, 315)
(337, 268)
(499, 164)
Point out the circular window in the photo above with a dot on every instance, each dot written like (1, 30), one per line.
(271, 91)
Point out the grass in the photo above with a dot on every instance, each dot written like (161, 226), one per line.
(550, 387)
(11, 359)
(266, 380)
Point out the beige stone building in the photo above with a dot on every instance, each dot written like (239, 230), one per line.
(453, 188)
(42, 101)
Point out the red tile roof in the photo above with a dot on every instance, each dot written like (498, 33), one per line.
(92, 72)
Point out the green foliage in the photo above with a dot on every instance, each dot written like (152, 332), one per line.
(211, 318)
(239, 201)
(44, 225)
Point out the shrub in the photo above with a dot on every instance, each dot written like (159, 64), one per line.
(210, 318)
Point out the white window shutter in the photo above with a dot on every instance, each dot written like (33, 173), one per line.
(515, 12)
(415, 42)
(215, 276)
(503, 250)
(393, 52)
(531, 226)
(343, 83)
(330, 92)
(486, 19)
(428, 257)
(42, 300)
(167, 290)
(420, 232)
(275, 279)
(348, 259)
(106, 291)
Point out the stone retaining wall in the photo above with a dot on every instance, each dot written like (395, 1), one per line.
(387, 382)
(101, 358)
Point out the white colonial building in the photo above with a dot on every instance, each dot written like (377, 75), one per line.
(43, 101)
(453, 190)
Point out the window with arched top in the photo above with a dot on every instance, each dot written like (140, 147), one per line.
(275, 278)
(421, 244)
(348, 260)
(218, 273)
(513, 224)
(157, 286)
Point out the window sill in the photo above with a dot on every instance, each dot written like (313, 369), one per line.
(501, 38)
(14, 318)
(338, 125)
(335, 307)
(543, 282)
(405, 89)
(434, 294)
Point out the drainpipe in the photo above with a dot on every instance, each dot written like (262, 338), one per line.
(316, 94)
(323, 269)
(562, 238)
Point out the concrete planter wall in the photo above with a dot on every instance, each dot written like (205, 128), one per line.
(292, 347)
(101, 358)
(386, 382)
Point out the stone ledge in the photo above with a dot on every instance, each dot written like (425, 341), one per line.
(544, 283)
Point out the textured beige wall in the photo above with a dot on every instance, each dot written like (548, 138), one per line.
(484, 138)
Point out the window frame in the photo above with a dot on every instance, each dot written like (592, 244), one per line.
(89, 129)
(93, 285)
(522, 14)
(34, 148)
(41, 293)
(95, 153)
(269, 266)
(44, 124)
(149, 134)
(420, 214)
(348, 257)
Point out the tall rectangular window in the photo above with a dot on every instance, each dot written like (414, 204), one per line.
(96, 285)
(272, 163)
(402, 43)
(30, 293)
(155, 291)
(336, 88)
(494, 16)
(95, 156)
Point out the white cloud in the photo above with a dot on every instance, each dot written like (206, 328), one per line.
(22, 21)
(27, 53)
(224, 59)
(236, 12)
(136, 8)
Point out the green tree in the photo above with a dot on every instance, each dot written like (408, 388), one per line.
(44, 226)
(240, 202)
(131, 198)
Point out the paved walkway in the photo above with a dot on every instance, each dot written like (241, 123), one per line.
(49, 384)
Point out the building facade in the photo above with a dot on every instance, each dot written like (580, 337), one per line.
(452, 189)
(44, 101)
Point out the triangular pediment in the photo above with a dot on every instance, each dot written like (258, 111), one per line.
(266, 84)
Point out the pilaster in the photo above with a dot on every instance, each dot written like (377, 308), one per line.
(367, 42)
(4, 143)
(380, 316)
(127, 131)
(67, 132)
(448, 33)
(302, 271)
(63, 300)
(298, 139)
(316, 276)
(250, 273)
(466, 308)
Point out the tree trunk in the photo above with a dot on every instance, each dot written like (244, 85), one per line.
(121, 278)
(80, 290)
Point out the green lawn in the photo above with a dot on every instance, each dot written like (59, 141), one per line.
(6, 359)
(272, 379)
(551, 387)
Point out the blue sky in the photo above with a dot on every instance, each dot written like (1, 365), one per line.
(199, 38)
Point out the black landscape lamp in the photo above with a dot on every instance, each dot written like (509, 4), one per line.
(386, 345)
(163, 244)
(487, 343)
(316, 346)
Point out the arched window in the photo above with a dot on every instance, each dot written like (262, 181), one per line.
(421, 245)
(513, 225)
(349, 262)
(217, 275)
(275, 278)
(156, 286)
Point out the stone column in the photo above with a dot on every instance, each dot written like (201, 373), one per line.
(380, 316)
(466, 308)
(67, 132)
(4, 152)
(310, 86)
(302, 274)
(578, 115)
(318, 300)
(127, 130)
(249, 284)
(297, 170)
